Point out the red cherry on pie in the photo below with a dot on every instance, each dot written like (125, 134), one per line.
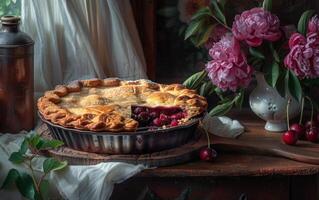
(174, 122)
(157, 116)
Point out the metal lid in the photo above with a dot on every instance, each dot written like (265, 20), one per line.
(10, 35)
(10, 20)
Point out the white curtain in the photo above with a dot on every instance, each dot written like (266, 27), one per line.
(79, 39)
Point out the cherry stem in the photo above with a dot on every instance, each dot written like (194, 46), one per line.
(302, 107)
(311, 116)
(288, 104)
(206, 132)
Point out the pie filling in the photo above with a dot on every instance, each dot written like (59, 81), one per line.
(157, 116)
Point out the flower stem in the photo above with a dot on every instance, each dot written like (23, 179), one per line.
(302, 107)
(33, 175)
(288, 104)
(311, 116)
(207, 135)
(221, 23)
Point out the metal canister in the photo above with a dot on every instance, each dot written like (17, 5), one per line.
(16, 77)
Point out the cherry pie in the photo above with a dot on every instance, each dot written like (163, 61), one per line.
(116, 105)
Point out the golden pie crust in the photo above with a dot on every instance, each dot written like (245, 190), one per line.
(105, 105)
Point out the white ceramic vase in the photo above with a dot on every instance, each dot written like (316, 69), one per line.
(267, 103)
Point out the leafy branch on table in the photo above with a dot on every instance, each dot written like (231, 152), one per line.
(28, 185)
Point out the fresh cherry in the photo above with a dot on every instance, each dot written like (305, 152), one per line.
(299, 129)
(311, 123)
(207, 154)
(290, 137)
(312, 134)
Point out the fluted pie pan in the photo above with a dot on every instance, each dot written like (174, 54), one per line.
(143, 140)
(117, 116)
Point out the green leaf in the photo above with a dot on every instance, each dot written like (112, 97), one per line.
(26, 186)
(256, 53)
(295, 87)
(202, 13)
(287, 83)
(12, 176)
(181, 30)
(239, 99)
(256, 63)
(222, 3)
(205, 36)
(51, 164)
(16, 157)
(272, 74)
(274, 53)
(202, 89)
(37, 196)
(46, 144)
(184, 195)
(267, 5)
(168, 12)
(219, 14)
(194, 42)
(221, 109)
(206, 88)
(193, 27)
(44, 188)
(24, 146)
(194, 81)
(33, 140)
(282, 83)
(303, 21)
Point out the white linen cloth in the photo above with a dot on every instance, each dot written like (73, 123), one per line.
(223, 126)
(81, 39)
(93, 181)
(73, 183)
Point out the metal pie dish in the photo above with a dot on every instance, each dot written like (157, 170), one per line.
(141, 141)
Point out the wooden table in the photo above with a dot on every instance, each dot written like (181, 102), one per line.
(231, 176)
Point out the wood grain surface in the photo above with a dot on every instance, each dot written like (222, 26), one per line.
(255, 141)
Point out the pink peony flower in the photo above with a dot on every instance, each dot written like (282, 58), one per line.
(256, 25)
(227, 48)
(296, 39)
(187, 8)
(218, 32)
(229, 75)
(229, 68)
(303, 58)
(313, 25)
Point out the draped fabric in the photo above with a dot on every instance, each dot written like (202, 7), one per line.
(80, 39)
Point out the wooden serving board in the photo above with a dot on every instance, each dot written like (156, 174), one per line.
(255, 140)
(169, 157)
